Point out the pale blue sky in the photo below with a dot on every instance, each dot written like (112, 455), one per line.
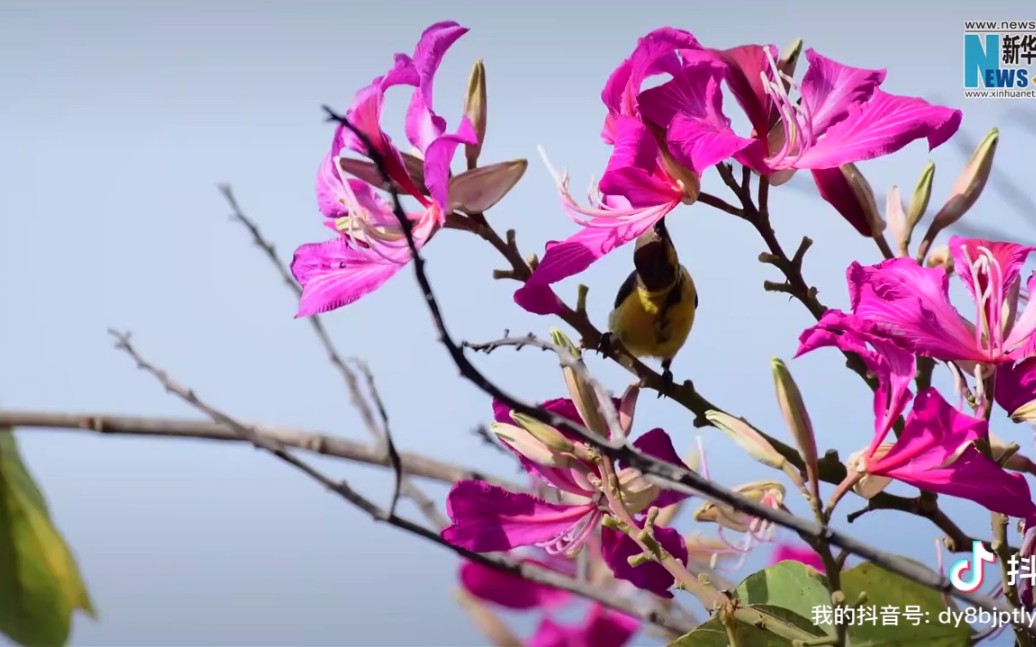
(119, 119)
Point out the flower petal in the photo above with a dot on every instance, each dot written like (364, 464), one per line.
(746, 66)
(438, 157)
(508, 589)
(830, 90)
(911, 304)
(617, 548)
(601, 628)
(423, 126)
(696, 91)
(803, 554)
(488, 518)
(893, 365)
(1006, 260)
(700, 144)
(333, 275)
(569, 257)
(538, 299)
(633, 167)
(880, 127)
(1016, 384)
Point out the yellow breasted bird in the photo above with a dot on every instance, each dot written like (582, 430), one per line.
(655, 306)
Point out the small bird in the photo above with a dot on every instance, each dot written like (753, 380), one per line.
(655, 306)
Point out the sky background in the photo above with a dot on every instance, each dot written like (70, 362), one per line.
(119, 119)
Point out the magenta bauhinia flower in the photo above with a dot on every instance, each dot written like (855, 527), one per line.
(910, 304)
(642, 183)
(840, 116)
(803, 554)
(489, 518)
(601, 627)
(371, 246)
(936, 450)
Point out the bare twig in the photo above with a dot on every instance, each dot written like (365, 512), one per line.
(386, 434)
(670, 475)
(415, 465)
(341, 488)
(403, 486)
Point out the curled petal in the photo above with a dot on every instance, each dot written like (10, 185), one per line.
(437, 160)
(617, 548)
(423, 126)
(746, 66)
(657, 444)
(1016, 385)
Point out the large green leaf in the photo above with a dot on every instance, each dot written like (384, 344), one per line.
(40, 584)
(792, 591)
(886, 589)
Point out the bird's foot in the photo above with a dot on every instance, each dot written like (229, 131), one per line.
(667, 379)
(605, 345)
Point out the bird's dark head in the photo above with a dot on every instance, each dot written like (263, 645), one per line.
(655, 258)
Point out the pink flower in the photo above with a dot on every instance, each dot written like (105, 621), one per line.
(804, 554)
(841, 114)
(936, 450)
(371, 246)
(642, 183)
(602, 627)
(910, 303)
(488, 518)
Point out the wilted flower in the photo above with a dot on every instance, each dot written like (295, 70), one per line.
(489, 518)
(754, 529)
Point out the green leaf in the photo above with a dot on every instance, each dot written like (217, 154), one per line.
(40, 584)
(886, 589)
(791, 591)
(788, 590)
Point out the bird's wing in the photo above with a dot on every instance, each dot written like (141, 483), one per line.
(626, 288)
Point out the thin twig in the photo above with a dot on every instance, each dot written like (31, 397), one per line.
(386, 434)
(499, 562)
(415, 465)
(351, 383)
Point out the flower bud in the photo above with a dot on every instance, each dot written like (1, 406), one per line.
(846, 190)
(478, 189)
(919, 201)
(549, 436)
(475, 110)
(529, 446)
(752, 442)
(969, 183)
(580, 390)
(797, 418)
(789, 58)
(627, 408)
(895, 216)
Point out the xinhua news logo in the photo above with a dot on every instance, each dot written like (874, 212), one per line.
(967, 574)
(1000, 59)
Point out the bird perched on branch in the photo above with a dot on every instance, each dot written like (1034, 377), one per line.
(655, 306)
